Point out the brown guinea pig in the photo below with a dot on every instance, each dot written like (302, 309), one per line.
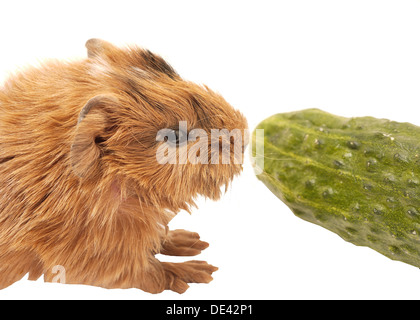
(84, 197)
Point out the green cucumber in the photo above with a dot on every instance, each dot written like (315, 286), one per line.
(357, 177)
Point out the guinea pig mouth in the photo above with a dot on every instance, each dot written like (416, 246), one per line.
(218, 180)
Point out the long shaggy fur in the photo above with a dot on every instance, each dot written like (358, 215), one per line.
(80, 184)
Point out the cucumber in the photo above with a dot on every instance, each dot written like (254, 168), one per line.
(357, 177)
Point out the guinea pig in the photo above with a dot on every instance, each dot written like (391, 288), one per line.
(83, 195)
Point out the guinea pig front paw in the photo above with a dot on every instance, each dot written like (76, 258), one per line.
(178, 275)
(182, 243)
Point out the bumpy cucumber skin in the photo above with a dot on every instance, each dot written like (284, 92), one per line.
(358, 177)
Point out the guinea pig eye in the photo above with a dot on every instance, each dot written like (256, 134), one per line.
(173, 136)
(180, 136)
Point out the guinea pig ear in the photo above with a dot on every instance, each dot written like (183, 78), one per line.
(96, 47)
(85, 151)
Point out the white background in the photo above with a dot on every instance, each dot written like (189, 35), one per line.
(351, 58)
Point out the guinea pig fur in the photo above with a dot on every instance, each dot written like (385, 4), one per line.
(81, 185)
